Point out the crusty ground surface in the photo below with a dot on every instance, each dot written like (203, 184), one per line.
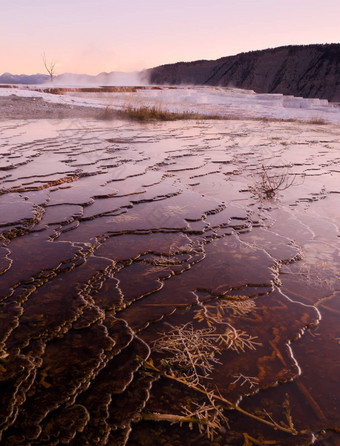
(16, 107)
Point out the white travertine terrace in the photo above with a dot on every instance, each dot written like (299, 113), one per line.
(204, 100)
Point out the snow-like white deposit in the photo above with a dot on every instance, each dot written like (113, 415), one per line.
(204, 100)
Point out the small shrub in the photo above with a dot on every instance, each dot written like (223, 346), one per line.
(146, 114)
(269, 185)
(317, 121)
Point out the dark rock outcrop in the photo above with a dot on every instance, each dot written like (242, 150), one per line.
(307, 71)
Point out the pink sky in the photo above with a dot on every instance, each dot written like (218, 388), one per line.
(88, 36)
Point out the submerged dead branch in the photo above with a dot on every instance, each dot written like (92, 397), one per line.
(191, 357)
(229, 405)
(219, 312)
(191, 351)
(194, 351)
(208, 416)
(252, 381)
(251, 441)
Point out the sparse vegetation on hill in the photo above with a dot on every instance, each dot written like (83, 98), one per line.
(300, 70)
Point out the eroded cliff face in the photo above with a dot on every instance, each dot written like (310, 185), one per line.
(308, 71)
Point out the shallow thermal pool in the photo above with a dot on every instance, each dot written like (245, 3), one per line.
(147, 273)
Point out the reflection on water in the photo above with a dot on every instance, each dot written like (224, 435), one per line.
(116, 235)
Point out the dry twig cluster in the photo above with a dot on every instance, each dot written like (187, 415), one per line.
(269, 185)
(218, 313)
(190, 357)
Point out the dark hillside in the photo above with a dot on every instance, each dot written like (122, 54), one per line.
(308, 71)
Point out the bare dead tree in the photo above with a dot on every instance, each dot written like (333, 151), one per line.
(50, 66)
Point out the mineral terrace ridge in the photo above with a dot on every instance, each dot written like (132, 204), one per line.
(307, 71)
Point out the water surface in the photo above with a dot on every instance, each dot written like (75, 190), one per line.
(115, 234)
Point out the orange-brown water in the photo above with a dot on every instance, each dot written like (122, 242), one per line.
(114, 234)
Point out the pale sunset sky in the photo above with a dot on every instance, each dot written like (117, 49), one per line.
(91, 36)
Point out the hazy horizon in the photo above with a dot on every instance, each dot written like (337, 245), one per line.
(87, 37)
(43, 71)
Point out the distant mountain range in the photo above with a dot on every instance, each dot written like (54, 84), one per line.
(113, 78)
(299, 70)
(8, 78)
